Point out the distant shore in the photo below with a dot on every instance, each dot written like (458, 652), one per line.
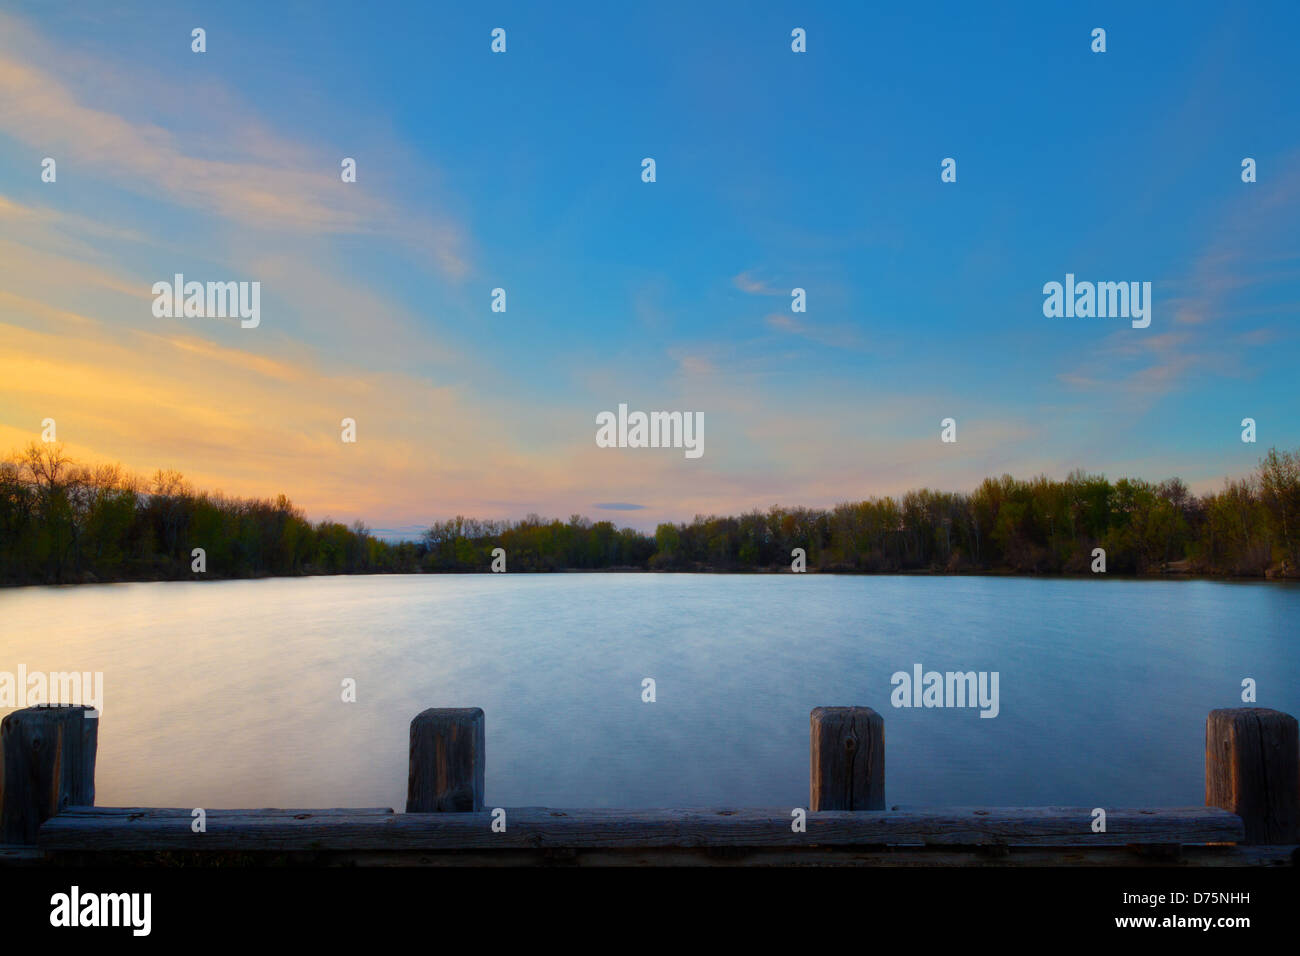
(1168, 573)
(67, 523)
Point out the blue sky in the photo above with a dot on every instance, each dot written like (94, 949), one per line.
(775, 170)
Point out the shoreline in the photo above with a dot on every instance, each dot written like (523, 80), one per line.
(1270, 577)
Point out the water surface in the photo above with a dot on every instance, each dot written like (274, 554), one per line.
(228, 693)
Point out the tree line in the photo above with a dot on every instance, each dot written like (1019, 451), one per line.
(62, 522)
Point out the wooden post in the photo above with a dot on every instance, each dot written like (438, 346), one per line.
(1252, 769)
(447, 755)
(47, 763)
(848, 759)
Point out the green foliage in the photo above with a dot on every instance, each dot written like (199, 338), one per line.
(63, 523)
(60, 522)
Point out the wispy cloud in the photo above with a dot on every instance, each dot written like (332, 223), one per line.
(836, 337)
(749, 283)
(1197, 310)
(261, 180)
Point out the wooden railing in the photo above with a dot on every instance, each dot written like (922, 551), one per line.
(1252, 811)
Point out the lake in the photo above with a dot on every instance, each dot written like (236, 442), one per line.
(229, 693)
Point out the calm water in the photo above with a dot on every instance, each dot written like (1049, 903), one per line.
(227, 694)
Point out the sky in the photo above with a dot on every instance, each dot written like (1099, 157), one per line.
(522, 170)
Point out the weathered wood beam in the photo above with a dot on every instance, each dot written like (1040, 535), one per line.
(1138, 855)
(847, 754)
(448, 753)
(1133, 855)
(47, 762)
(92, 828)
(1252, 768)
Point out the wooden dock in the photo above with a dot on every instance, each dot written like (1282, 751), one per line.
(48, 817)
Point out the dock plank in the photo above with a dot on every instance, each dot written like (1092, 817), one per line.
(130, 829)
